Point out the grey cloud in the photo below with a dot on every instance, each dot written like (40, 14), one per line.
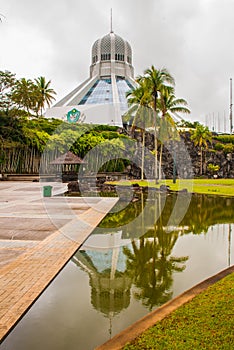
(193, 39)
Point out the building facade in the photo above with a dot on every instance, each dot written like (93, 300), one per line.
(101, 99)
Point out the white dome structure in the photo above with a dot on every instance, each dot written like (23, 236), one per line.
(111, 54)
(101, 99)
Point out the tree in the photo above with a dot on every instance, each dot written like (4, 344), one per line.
(25, 95)
(45, 93)
(201, 136)
(157, 78)
(139, 100)
(7, 82)
(168, 106)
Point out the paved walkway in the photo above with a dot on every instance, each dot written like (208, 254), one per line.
(38, 235)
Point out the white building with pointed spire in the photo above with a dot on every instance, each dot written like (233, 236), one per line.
(101, 99)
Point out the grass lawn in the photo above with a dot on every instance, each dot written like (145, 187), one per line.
(206, 322)
(224, 187)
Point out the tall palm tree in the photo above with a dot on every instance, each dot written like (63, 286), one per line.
(45, 93)
(168, 106)
(157, 78)
(201, 136)
(139, 100)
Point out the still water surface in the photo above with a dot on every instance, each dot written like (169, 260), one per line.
(135, 261)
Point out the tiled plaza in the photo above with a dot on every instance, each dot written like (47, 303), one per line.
(38, 235)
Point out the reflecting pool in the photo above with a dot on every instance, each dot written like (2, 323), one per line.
(139, 257)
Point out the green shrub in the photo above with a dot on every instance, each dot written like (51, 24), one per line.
(225, 138)
(106, 128)
(218, 146)
(113, 165)
(112, 135)
(212, 168)
(228, 148)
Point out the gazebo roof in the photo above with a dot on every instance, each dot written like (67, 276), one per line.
(67, 158)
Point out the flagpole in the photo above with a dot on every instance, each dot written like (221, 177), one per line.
(231, 125)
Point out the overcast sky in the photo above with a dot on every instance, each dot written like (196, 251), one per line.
(193, 39)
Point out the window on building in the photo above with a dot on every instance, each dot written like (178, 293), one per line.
(105, 57)
(119, 57)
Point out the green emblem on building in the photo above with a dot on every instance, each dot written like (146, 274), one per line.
(73, 116)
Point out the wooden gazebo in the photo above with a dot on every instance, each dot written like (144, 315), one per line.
(68, 164)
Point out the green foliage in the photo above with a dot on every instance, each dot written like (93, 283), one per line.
(31, 132)
(222, 187)
(169, 104)
(112, 135)
(44, 124)
(35, 138)
(153, 104)
(212, 168)
(114, 165)
(188, 124)
(157, 79)
(24, 95)
(7, 82)
(106, 128)
(201, 136)
(63, 141)
(206, 322)
(228, 148)
(45, 93)
(218, 146)
(2, 157)
(225, 138)
(86, 142)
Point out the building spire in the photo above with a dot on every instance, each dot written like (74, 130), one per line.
(111, 28)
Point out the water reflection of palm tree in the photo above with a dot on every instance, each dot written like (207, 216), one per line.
(151, 269)
(151, 264)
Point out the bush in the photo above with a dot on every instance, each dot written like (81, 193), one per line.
(218, 146)
(212, 168)
(106, 128)
(228, 148)
(225, 138)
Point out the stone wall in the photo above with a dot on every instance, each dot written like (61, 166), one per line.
(188, 158)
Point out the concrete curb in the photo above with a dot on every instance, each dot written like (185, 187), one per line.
(133, 331)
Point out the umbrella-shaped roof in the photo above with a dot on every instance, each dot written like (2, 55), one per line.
(67, 158)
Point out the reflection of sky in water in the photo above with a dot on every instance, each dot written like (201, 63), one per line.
(208, 254)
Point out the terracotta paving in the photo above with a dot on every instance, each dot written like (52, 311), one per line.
(37, 237)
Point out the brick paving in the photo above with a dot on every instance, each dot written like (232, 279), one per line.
(38, 236)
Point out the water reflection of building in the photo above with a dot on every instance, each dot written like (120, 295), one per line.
(106, 266)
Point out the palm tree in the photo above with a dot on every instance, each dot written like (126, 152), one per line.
(168, 106)
(201, 136)
(45, 93)
(139, 100)
(157, 78)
